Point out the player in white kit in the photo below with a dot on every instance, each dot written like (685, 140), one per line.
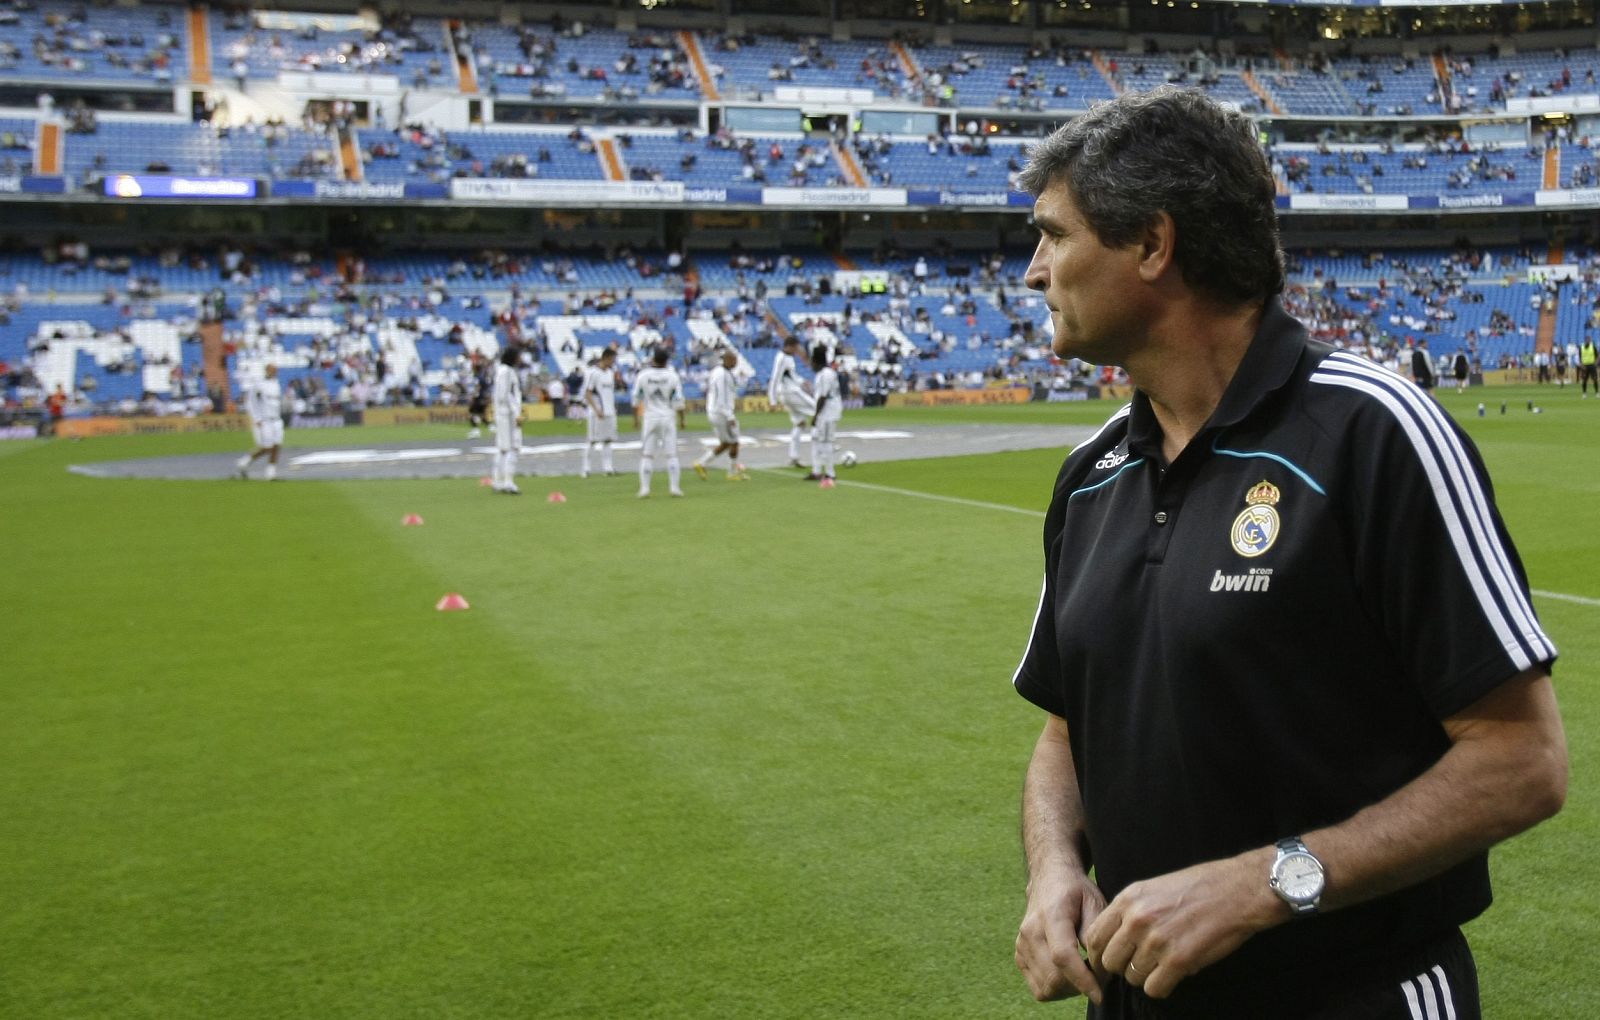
(830, 408)
(787, 390)
(721, 402)
(658, 400)
(507, 422)
(599, 395)
(263, 402)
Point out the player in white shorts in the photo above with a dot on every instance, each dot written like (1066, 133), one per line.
(507, 422)
(599, 395)
(830, 408)
(787, 390)
(658, 401)
(721, 402)
(263, 402)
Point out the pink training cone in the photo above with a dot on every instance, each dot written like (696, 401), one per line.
(826, 483)
(411, 520)
(485, 482)
(556, 497)
(451, 601)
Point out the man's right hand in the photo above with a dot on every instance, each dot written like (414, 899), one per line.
(1049, 953)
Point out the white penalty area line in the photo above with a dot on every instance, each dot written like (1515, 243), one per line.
(1582, 600)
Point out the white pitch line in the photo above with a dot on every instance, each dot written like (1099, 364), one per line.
(1582, 600)
(980, 504)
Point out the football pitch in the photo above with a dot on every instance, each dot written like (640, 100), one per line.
(752, 753)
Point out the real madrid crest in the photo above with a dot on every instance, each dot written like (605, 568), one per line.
(1256, 527)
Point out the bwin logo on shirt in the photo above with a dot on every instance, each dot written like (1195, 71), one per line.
(1259, 579)
(1110, 460)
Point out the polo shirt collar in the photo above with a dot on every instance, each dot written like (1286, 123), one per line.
(1267, 365)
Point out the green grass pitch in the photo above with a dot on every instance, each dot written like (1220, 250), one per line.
(753, 753)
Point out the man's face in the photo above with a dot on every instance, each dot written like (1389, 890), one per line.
(1090, 289)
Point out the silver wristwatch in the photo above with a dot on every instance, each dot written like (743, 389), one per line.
(1297, 877)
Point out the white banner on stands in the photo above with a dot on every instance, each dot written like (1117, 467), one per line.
(1569, 102)
(1568, 196)
(834, 197)
(1563, 271)
(1348, 202)
(478, 189)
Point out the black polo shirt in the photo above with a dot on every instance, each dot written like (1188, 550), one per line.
(1262, 637)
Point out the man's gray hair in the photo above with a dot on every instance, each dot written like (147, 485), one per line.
(1176, 151)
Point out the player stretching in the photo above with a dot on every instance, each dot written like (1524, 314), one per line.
(830, 408)
(507, 417)
(720, 406)
(263, 402)
(658, 399)
(599, 395)
(788, 391)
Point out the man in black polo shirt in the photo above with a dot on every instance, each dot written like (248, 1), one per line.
(1294, 682)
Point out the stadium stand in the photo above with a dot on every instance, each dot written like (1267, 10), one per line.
(418, 153)
(578, 60)
(246, 49)
(53, 42)
(157, 146)
(385, 324)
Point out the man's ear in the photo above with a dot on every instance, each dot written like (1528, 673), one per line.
(1157, 247)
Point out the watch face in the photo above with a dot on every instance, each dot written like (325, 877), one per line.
(1299, 877)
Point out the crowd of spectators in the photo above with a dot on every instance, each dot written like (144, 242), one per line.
(935, 306)
(650, 64)
(395, 46)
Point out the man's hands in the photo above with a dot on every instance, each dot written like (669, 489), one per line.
(1060, 910)
(1160, 931)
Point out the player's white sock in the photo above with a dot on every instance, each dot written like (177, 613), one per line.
(605, 458)
(586, 448)
(272, 471)
(646, 466)
(511, 469)
(816, 464)
(827, 458)
(707, 457)
(794, 443)
(672, 473)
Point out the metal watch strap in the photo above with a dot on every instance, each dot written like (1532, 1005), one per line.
(1294, 845)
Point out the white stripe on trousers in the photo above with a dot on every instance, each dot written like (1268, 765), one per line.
(1428, 996)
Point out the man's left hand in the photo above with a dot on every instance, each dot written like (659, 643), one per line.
(1158, 932)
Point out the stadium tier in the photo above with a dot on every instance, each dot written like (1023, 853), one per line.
(403, 327)
(631, 134)
(248, 46)
(70, 42)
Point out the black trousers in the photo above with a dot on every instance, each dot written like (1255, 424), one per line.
(1438, 981)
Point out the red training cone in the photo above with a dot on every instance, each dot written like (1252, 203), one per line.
(556, 497)
(451, 601)
(411, 520)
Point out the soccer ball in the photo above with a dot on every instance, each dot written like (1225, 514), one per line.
(848, 458)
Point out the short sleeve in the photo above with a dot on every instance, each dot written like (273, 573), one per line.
(1432, 555)
(1038, 675)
